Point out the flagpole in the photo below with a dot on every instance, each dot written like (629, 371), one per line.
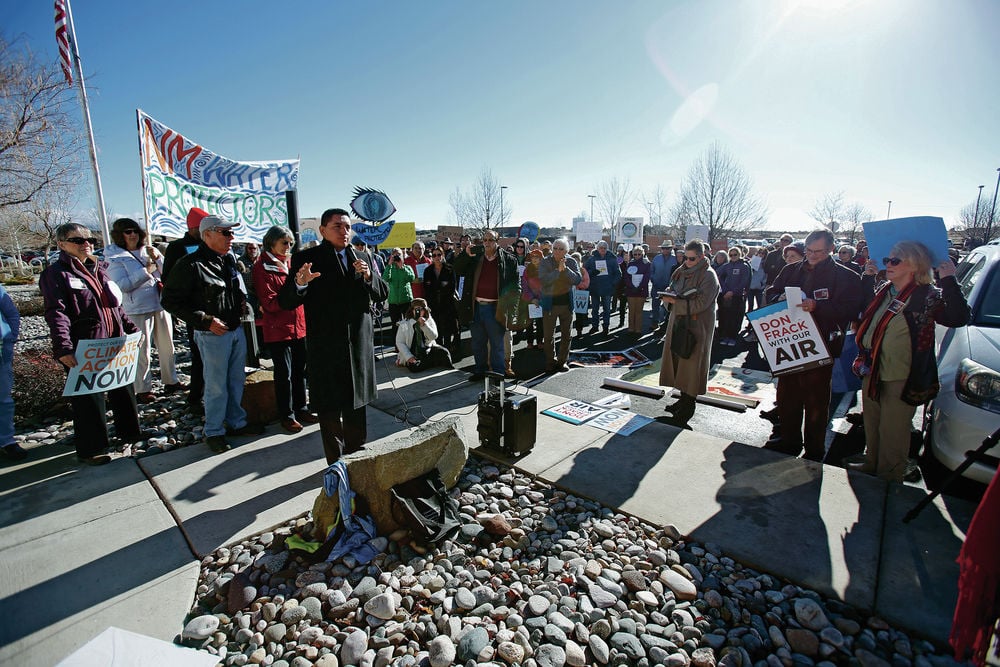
(82, 92)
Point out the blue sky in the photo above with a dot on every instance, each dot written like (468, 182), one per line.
(883, 99)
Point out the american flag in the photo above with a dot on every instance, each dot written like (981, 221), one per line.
(62, 38)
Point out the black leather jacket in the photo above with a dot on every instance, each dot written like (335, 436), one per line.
(202, 286)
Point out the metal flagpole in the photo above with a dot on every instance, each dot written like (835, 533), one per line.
(82, 91)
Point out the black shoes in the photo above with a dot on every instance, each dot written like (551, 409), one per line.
(306, 417)
(13, 452)
(776, 444)
(217, 443)
(250, 428)
(173, 388)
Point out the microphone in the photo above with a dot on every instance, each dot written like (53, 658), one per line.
(351, 257)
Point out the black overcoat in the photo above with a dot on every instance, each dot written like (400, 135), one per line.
(339, 331)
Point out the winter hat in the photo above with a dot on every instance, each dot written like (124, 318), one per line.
(194, 217)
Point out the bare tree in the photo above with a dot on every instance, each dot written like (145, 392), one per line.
(40, 145)
(971, 226)
(853, 217)
(488, 207)
(654, 202)
(51, 208)
(614, 197)
(459, 207)
(829, 211)
(719, 194)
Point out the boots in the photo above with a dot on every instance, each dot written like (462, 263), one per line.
(508, 371)
(680, 412)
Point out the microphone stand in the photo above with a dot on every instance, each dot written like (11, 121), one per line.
(988, 443)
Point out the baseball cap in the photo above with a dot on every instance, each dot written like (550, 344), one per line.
(194, 217)
(215, 222)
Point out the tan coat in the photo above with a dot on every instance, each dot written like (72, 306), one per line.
(691, 375)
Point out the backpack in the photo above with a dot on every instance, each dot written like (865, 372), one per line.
(423, 506)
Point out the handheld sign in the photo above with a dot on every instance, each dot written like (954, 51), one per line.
(372, 205)
(103, 364)
(528, 230)
(881, 235)
(791, 341)
(373, 235)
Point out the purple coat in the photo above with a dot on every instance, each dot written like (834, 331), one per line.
(644, 269)
(72, 309)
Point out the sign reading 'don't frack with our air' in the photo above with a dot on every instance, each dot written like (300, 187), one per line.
(789, 337)
(103, 364)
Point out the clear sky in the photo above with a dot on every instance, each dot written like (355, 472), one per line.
(883, 99)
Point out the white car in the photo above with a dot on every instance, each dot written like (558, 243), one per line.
(967, 409)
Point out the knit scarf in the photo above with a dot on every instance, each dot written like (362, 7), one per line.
(880, 328)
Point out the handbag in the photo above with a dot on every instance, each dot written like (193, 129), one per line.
(682, 340)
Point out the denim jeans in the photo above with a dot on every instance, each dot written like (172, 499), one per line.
(6, 399)
(223, 358)
(596, 304)
(487, 333)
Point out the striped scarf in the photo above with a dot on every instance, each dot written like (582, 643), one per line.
(106, 311)
(879, 333)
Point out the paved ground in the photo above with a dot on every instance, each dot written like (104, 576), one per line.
(87, 548)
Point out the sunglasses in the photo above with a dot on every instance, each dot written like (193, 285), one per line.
(518, 245)
(892, 261)
(79, 240)
(228, 233)
(130, 231)
(287, 242)
(688, 258)
(436, 254)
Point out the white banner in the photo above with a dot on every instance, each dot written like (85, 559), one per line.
(588, 230)
(696, 232)
(103, 364)
(791, 340)
(581, 301)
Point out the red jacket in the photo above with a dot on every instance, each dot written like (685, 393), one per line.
(418, 282)
(279, 325)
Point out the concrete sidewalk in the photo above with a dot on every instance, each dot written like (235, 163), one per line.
(87, 548)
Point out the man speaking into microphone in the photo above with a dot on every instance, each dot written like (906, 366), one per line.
(336, 285)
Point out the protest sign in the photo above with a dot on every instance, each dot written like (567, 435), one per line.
(574, 412)
(588, 230)
(630, 357)
(581, 301)
(178, 174)
(619, 422)
(881, 235)
(402, 235)
(742, 385)
(103, 364)
(630, 231)
(791, 340)
(528, 230)
(696, 232)
(373, 235)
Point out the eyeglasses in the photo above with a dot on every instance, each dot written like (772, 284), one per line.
(436, 254)
(130, 231)
(225, 232)
(79, 240)
(689, 258)
(287, 242)
(892, 261)
(518, 245)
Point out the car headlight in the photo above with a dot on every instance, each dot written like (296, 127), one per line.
(978, 385)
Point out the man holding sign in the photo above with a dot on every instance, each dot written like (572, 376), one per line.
(832, 295)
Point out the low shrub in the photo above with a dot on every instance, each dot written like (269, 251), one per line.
(38, 385)
(16, 279)
(31, 306)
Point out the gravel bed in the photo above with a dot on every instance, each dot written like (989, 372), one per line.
(537, 577)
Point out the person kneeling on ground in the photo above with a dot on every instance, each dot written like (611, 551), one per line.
(415, 346)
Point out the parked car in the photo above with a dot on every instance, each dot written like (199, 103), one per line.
(967, 409)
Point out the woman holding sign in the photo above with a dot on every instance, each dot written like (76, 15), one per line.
(81, 303)
(896, 351)
(687, 348)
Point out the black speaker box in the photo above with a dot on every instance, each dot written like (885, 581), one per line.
(520, 422)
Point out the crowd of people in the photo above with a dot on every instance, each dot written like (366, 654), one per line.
(316, 311)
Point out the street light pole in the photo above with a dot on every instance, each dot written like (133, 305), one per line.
(975, 218)
(889, 212)
(502, 188)
(591, 207)
(989, 223)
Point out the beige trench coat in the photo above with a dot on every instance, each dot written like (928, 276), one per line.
(691, 375)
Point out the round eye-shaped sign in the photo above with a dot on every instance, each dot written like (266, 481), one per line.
(629, 229)
(633, 270)
(372, 205)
